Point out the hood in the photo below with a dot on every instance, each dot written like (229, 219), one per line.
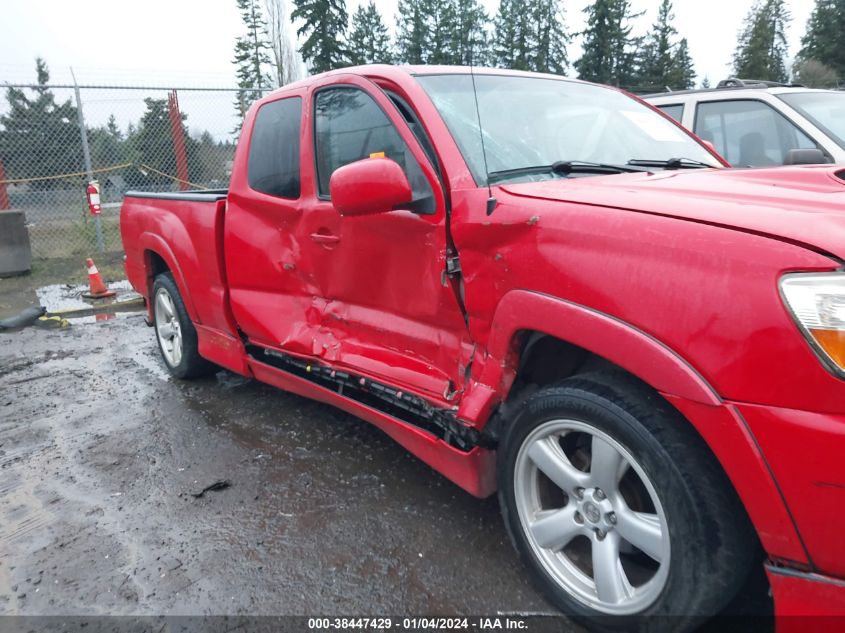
(804, 205)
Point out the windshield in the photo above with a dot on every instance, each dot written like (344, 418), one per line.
(532, 122)
(826, 110)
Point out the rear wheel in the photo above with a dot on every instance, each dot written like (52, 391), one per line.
(618, 508)
(176, 335)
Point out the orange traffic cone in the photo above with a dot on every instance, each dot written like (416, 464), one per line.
(96, 288)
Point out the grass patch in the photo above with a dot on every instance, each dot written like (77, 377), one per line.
(63, 238)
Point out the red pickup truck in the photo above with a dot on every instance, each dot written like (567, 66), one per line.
(547, 288)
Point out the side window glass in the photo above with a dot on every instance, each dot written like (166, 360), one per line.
(674, 111)
(273, 163)
(749, 133)
(350, 126)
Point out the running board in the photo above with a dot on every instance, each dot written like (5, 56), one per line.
(405, 407)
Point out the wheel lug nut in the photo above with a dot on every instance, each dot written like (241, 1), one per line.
(598, 494)
(600, 534)
(579, 518)
(611, 518)
(579, 493)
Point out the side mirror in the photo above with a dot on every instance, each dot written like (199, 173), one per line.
(710, 146)
(371, 185)
(805, 157)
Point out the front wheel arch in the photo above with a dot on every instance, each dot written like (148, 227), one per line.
(527, 320)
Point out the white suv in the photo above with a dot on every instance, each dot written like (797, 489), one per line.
(759, 124)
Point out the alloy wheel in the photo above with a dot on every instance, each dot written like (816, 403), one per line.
(592, 517)
(168, 328)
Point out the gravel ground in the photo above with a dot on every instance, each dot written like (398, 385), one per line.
(101, 453)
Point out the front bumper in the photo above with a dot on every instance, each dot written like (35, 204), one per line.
(806, 454)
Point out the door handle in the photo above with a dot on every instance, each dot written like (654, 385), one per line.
(325, 238)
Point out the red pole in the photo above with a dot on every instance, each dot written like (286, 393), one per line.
(4, 196)
(178, 132)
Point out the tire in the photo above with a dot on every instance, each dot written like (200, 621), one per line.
(635, 489)
(175, 333)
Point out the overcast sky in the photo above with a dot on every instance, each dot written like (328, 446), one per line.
(189, 43)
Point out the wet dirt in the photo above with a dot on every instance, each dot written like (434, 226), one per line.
(101, 454)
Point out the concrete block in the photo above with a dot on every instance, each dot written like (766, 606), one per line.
(15, 250)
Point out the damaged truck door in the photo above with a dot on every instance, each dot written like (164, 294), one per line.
(383, 308)
(366, 292)
(269, 290)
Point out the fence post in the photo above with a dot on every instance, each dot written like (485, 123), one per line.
(4, 195)
(177, 130)
(86, 155)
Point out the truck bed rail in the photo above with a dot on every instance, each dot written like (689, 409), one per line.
(208, 195)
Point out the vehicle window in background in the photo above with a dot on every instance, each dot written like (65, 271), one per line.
(531, 122)
(674, 111)
(749, 133)
(825, 109)
(350, 126)
(273, 164)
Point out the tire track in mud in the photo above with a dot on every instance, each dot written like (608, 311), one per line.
(50, 439)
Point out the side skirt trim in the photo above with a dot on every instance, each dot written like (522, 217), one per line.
(405, 407)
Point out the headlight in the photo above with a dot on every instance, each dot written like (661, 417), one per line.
(817, 301)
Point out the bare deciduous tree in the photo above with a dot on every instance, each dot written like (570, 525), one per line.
(287, 63)
(813, 74)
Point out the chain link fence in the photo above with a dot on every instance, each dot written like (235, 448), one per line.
(55, 138)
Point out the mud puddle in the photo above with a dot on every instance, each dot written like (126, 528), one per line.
(62, 298)
(101, 454)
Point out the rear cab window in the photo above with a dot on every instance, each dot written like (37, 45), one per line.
(350, 126)
(273, 163)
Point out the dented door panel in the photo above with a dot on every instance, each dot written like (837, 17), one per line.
(386, 308)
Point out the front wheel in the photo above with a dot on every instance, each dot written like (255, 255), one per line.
(176, 334)
(618, 508)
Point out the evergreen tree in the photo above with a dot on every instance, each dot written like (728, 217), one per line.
(38, 136)
(441, 32)
(823, 41)
(665, 63)
(512, 35)
(107, 144)
(658, 58)
(251, 56)
(324, 27)
(369, 40)
(412, 32)
(209, 160)
(683, 72)
(441, 21)
(469, 43)
(150, 144)
(762, 49)
(609, 49)
(548, 45)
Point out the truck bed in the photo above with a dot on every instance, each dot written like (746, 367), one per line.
(181, 232)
